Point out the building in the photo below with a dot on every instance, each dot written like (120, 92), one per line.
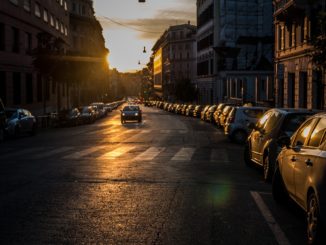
(298, 81)
(235, 51)
(87, 42)
(174, 56)
(21, 84)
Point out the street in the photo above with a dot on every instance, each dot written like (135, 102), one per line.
(168, 180)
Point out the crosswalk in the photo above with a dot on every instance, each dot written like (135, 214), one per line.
(126, 152)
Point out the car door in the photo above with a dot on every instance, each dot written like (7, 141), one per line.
(257, 136)
(307, 157)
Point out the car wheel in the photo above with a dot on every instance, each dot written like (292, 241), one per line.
(239, 136)
(313, 220)
(267, 169)
(247, 155)
(279, 192)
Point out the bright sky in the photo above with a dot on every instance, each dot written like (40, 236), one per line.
(128, 26)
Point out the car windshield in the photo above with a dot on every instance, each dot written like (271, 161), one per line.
(131, 108)
(86, 110)
(292, 122)
(11, 114)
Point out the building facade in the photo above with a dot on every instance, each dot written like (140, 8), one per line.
(87, 42)
(21, 21)
(298, 82)
(235, 50)
(175, 59)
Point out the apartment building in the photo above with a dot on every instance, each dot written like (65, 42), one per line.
(298, 82)
(235, 50)
(20, 23)
(175, 59)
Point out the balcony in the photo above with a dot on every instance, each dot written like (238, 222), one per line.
(286, 7)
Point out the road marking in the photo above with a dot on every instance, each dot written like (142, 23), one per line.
(278, 233)
(184, 154)
(50, 153)
(19, 153)
(117, 152)
(219, 155)
(182, 131)
(83, 153)
(149, 154)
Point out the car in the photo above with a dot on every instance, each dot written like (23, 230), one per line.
(69, 117)
(236, 125)
(209, 115)
(223, 116)
(183, 109)
(20, 121)
(301, 174)
(218, 112)
(101, 108)
(87, 114)
(197, 111)
(3, 120)
(131, 112)
(190, 110)
(262, 146)
(203, 112)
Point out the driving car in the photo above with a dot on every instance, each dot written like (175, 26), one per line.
(262, 145)
(20, 121)
(236, 125)
(131, 112)
(301, 174)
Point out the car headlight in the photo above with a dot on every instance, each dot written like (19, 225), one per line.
(123, 114)
(136, 114)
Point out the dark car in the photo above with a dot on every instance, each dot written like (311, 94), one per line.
(87, 114)
(203, 112)
(131, 112)
(301, 174)
(20, 121)
(262, 145)
(190, 110)
(70, 117)
(2, 121)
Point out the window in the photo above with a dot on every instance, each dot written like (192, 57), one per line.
(261, 123)
(73, 7)
(317, 134)
(17, 88)
(45, 15)
(62, 28)
(57, 24)
(3, 87)
(253, 113)
(29, 88)
(14, 2)
(27, 5)
(39, 88)
(66, 31)
(15, 38)
(51, 20)
(28, 42)
(37, 10)
(292, 122)
(2, 36)
(303, 133)
(65, 6)
(61, 2)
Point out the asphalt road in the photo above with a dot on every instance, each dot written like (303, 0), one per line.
(168, 180)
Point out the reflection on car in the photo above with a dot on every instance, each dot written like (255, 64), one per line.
(131, 112)
(19, 121)
(301, 173)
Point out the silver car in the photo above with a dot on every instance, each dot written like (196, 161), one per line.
(20, 121)
(301, 173)
(236, 124)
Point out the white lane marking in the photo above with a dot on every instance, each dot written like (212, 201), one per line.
(184, 154)
(80, 154)
(219, 155)
(117, 152)
(53, 152)
(23, 152)
(278, 233)
(149, 154)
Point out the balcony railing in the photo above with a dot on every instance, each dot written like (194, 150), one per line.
(281, 5)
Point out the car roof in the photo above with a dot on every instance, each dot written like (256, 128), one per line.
(294, 110)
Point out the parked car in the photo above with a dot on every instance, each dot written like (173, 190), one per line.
(236, 126)
(209, 115)
(190, 110)
(87, 114)
(101, 108)
(20, 121)
(183, 109)
(3, 120)
(262, 145)
(197, 111)
(218, 112)
(301, 174)
(131, 112)
(70, 117)
(223, 116)
(202, 113)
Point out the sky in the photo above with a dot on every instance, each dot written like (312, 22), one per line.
(128, 26)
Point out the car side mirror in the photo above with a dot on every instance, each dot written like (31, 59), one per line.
(284, 141)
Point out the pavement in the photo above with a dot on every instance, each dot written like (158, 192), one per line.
(168, 180)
